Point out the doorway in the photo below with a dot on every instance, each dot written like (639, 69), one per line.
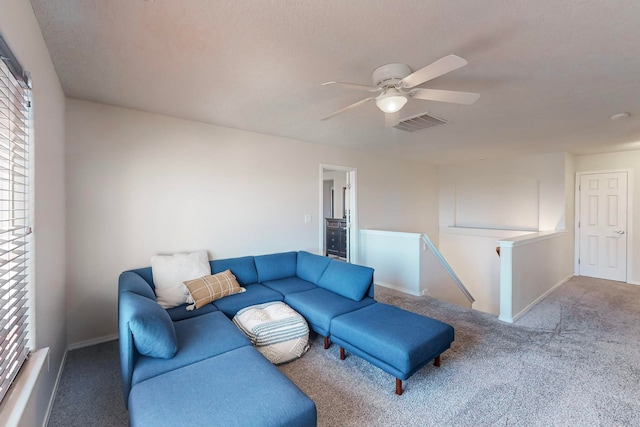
(603, 231)
(338, 212)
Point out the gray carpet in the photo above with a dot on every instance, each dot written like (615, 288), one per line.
(574, 359)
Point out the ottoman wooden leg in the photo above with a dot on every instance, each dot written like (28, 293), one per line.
(342, 353)
(398, 386)
(436, 361)
(326, 343)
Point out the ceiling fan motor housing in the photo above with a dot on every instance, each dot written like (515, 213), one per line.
(390, 74)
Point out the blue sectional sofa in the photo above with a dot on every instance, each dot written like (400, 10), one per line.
(196, 368)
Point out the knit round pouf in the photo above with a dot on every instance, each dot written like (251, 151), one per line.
(278, 332)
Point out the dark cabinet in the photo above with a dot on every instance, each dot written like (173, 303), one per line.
(336, 234)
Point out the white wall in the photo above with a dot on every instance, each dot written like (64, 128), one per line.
(21, 31)
(140, 184)
(629, 160)
(570, 196)
(405, 262)
(527, 193)
(522, 280)
(472, 255)
(490, 181)
(395, 257)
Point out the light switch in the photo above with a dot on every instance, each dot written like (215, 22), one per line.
(307, 218)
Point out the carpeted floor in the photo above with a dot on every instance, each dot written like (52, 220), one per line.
(574, 359)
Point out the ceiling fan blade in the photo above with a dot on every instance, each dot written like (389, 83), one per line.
(391, 119)
(355, 86)
(357, 104)
(466, 98)
(436, 69)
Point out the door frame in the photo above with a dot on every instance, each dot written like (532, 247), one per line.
(629, 172)
(354, 241)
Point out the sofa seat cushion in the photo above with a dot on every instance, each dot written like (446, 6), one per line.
(278, 331)
(289, 285)
(254, 294)
(199, 338)
(348, 280)
(319, 306)
(397, 341)
(239, 387)
(180, 312)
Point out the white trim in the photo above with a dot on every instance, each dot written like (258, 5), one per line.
(530, 238)
(91, 342)
(391, 233)
(506, 282)
(21, 391)
(354, 238)
(576, 266)
(400, 289)
(47, 415)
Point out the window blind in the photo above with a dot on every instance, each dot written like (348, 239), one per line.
(14, 216)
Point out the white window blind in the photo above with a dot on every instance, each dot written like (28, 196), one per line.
(14, 217)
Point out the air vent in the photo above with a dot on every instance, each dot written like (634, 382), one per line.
(419, 122)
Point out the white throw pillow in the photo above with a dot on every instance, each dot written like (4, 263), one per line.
(169, 271)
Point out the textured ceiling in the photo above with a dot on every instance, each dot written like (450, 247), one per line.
(550, 72)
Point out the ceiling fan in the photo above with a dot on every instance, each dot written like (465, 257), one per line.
(396, 83)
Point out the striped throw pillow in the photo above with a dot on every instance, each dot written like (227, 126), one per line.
(210, 288)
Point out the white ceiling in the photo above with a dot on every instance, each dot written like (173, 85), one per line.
(550, 72)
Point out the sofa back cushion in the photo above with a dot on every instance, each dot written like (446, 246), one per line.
(244, 268)
(276, 266)
(349, 280)
(150, 324)
(310, 266)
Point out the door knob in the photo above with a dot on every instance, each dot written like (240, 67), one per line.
(619, 231)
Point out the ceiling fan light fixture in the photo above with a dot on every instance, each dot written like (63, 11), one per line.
(391, 101)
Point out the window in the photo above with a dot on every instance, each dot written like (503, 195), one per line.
(14, 215)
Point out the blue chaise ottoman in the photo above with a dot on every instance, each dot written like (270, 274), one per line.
(237, 388)
(395, 340)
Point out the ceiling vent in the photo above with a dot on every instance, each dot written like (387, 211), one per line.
(419, 122)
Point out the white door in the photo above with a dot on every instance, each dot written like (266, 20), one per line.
(603, 226)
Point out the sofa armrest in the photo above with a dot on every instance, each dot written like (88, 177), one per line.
(128, 357)
(130, 281)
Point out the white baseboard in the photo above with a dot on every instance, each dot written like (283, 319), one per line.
(55, 389)
(93, 341)
(537, 300)
(400, 289)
